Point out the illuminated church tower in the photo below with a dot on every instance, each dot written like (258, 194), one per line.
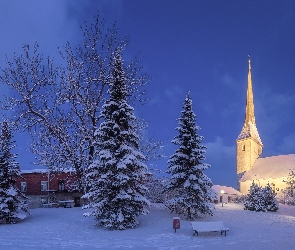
(249, 145)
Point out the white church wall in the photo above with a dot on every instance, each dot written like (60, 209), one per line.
(277, 184)
(245, 186)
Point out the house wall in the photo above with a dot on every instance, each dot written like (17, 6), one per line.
(33, 182)
(224, 198)
(61, 186)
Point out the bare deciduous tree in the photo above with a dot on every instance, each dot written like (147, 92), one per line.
(60, 105)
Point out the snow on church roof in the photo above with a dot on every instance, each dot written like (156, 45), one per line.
(271, 167)
(250, 130)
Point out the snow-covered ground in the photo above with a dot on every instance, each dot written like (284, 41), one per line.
(66, 228)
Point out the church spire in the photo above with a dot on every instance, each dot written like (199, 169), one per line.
(249, 144)
(249, 103)
(249, 129)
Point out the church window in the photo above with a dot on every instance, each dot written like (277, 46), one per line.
(244, 148)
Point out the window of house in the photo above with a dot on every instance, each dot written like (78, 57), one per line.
(61, 185)
(44, 185)
(23, 187)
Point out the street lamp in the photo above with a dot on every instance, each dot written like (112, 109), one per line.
(222, 192)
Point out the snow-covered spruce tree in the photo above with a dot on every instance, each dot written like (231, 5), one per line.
(270, 200)
(255, 199)
(116, 191)
(194, 194)
(11, 199)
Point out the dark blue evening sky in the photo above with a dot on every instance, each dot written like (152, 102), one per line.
(185, 45)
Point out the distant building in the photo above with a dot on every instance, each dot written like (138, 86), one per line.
(42, 187)
(273, 170)
(229, 193)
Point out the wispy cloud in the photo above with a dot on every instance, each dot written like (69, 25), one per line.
(174, 92)
(287, 145)
(228, 81)
(52, 25)
(273, 112)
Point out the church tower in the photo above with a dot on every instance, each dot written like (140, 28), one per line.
(249, 145)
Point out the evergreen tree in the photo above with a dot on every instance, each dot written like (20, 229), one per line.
(11, 199)
(255, 199)
(261, 199)
(271, 202)
(115, 179)
(193, 187)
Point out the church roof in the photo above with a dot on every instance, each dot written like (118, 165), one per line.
(250, 130)
(271, 167)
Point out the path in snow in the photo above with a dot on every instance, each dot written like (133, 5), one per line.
(61, 228)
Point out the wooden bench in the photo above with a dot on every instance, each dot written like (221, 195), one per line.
(209, 226)
(66, 203)
(49, 205)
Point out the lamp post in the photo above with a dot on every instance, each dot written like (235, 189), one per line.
(222, 192)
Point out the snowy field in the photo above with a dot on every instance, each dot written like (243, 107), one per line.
(66, 228)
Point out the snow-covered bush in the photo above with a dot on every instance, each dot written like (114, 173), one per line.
(261, 199)
(115, 179)
(271, 202)
(237, 199)
(193, 193)
(11, 199)
(290, 200)
(288, 193)
(255, 200)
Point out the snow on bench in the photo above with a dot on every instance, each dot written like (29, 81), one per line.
(209, 226)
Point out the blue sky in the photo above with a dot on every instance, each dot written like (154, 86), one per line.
(187, 45)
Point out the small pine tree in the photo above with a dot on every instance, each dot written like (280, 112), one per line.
(194, 194)
(11, 199)
(115, 179)
(271, 202)
(255, 199)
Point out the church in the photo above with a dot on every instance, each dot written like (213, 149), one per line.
(250, 166)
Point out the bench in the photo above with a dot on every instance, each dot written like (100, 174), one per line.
(49, 205)
(209, 226)
(66, 203)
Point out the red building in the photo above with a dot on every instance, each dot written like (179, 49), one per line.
(42, 187)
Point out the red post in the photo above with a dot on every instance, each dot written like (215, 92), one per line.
(176, 223)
